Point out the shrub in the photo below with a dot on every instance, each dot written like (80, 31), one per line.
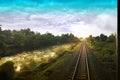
(7, 71)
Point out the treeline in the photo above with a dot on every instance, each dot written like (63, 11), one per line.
(104, 49)
(12, 41)
(102, 38)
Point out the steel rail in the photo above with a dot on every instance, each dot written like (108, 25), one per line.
(77, 63)
(88, 72)
(76, 66)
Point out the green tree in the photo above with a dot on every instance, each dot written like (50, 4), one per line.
(18, 40)
(13, 41)
(111, 38)
(103, 37)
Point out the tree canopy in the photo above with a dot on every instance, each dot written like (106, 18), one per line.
(13, 41)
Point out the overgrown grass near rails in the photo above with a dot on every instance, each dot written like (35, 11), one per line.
(45, 74)
(30, 61)
(44, 71)
(105, 53)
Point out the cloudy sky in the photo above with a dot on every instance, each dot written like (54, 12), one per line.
(80, 17)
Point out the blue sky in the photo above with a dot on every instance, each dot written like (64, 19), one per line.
(80, 17)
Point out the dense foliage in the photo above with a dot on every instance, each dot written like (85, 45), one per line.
(104, 49)
(7, 71)
(12, 41)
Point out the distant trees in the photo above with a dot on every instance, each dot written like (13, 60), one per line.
(12, 42)
(104, 49)
(111, 38)
(68, 38)
(101, 38)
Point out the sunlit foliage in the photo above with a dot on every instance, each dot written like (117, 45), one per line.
(13, 41)
(30, 60)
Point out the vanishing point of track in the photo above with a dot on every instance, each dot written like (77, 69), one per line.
(81, 69)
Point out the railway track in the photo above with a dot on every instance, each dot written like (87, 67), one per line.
(80, 69)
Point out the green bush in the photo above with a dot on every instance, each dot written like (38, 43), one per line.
(7, 71)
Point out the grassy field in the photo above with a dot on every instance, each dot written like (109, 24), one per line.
(38, 62)
(60, 66)
(30, 60)
(105, 54)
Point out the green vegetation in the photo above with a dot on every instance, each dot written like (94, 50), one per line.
(31, 52)
(14, 42)
(46, 66)
(31, 60)
(54, 67)
(45, 75)
(104, 49)
(35, 61)
(7, 71)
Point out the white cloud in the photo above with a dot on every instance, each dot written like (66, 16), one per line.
(95, 25)
(106, 21)
(81, 25)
